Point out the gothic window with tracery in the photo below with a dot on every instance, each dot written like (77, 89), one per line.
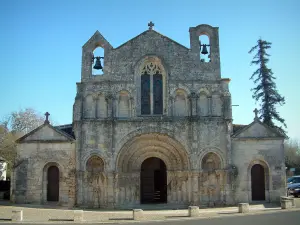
(151, 90)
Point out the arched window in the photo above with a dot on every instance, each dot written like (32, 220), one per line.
(151, 89)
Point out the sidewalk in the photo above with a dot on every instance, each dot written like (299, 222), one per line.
(35, 213)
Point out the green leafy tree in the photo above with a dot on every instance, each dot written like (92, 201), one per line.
(12, 127)
(266, 92)
(292, 153)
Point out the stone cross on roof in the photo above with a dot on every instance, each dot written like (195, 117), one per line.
(256, 112)
(150, 25)
(47, 117)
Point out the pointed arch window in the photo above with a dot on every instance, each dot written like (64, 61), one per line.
(151, 90)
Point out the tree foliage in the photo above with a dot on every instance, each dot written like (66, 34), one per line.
(292, 153)
(12, 127)
(266, 92)
(24, 120)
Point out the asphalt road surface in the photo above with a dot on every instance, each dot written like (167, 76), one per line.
(275, 218)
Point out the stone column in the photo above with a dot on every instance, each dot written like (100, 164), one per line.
(109, 102)
(116, 188)
(110, 189)
(131, 105)
(195, 188)
(209, 99)
(171, 106)
(193, 103)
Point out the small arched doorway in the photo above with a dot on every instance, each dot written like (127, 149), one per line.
(153, 181)
(53, 184)
(258, 183)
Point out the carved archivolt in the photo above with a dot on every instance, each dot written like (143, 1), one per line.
(139, 148)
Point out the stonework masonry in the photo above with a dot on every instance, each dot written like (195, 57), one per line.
(208, 160)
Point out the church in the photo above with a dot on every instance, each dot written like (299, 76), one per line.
(155, 127)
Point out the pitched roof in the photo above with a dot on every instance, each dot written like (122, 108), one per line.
(149, 31)
(64, 134)
(67, 128)
(239, 129)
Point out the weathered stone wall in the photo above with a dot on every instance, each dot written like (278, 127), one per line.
(196, 118)
(192, 135)
(270, 154)
(30, 175)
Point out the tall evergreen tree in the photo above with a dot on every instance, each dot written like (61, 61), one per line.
(266, 92)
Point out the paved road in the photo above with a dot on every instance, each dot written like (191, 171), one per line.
(274, 218)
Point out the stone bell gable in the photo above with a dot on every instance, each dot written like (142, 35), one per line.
(180, 62)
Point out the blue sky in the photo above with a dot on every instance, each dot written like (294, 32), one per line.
(40, 46)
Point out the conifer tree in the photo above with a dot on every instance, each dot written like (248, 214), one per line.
(266, 92)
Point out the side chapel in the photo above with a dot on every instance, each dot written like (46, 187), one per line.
(155, 127)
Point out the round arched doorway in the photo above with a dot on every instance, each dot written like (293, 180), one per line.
(153, 181)
(258, 183)
(53, 184)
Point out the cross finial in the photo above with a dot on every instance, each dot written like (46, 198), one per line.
(256, 112)
(47, 117)
(150, 25)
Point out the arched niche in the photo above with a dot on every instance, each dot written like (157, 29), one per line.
(101, 106)
(216, 104)
(89, 107)
(95, 182)
(123, 104)
(95, 164)
(203, 103)
(180, 103)
(210, 161)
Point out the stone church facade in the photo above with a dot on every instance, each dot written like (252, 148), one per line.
(155, 127)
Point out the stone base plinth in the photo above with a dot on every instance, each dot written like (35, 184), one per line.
(286, 204)
(17, 215)
(194, 211)
(78, 215)
(290, 199)
(243, 207)
(138, 214)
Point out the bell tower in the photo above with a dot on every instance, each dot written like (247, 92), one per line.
(88, 57)
(211, 49)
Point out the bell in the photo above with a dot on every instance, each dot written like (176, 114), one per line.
(204, 50)
(98, 65)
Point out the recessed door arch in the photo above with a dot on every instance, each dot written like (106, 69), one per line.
(53, 184)
(153, 181)
(258, 185)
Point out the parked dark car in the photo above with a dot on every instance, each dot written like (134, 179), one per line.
(293, 185)
(293, 180)
(294, 190)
